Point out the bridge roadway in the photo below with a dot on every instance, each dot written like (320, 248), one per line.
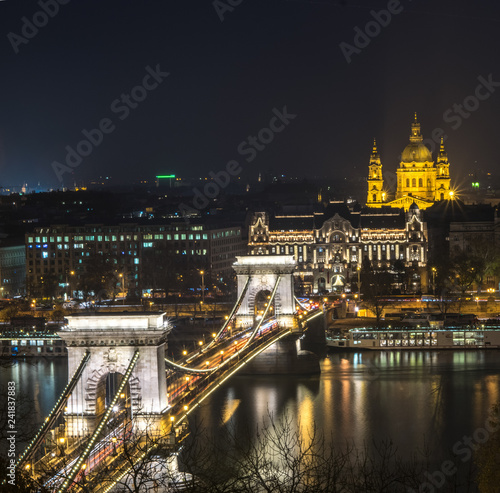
(99, 465)
(186, 392)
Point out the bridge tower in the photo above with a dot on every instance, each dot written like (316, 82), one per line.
(112, 340)
(264, 272)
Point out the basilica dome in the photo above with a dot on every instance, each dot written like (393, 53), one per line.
(416, 152)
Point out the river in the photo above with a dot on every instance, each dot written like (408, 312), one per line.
(411, 397)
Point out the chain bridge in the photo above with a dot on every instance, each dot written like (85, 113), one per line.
(122, 390)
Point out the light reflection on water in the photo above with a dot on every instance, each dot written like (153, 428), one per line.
(38, 381)
(406, 396)
(415, 398)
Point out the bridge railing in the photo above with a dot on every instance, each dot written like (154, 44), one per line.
(93, 439)
(254, 332)
(203, 388)
(200, 386)
(236, 307)
(54, 414)
(182, 393)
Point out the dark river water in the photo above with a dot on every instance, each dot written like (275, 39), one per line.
(407, 396)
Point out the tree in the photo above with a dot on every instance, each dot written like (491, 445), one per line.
(464, 271)
(98, 276)
(486, 257)
(57, 315)
(282, 457)
(7, 313)
(159, 270)
(375, 286)
(49, 287)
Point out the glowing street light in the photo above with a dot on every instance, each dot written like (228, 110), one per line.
(202, 273)
(123, 286)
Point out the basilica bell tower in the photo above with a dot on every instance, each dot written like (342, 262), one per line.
(376, 195)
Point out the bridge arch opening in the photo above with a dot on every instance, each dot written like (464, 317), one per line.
(106, 390)
(261, 301)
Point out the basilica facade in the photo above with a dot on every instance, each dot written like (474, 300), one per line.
(419, 179)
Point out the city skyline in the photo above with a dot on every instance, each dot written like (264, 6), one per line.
(185, 89)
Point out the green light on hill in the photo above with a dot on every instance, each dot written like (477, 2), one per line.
(165, 176)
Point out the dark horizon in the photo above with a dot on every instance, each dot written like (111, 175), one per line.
(227, 79)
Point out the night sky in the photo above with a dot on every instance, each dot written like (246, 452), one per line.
(227, 77)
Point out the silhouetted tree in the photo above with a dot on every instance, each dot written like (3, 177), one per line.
(375, 287)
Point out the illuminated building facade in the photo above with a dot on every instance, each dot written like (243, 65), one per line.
(419, 179)
(56, 253)
(329, 247)
(12, 269)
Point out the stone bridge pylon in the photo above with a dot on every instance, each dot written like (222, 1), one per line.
(112, 340)
(263, 272)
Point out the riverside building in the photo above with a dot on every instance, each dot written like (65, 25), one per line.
(330, 246)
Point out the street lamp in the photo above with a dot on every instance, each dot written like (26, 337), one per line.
(61, 446)
(434, 280)
(202, 273)
(123, 286)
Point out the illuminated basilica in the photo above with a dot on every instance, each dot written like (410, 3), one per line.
(331, 242)
(419, 179)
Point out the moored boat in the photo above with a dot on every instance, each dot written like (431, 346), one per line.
(417, 338)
